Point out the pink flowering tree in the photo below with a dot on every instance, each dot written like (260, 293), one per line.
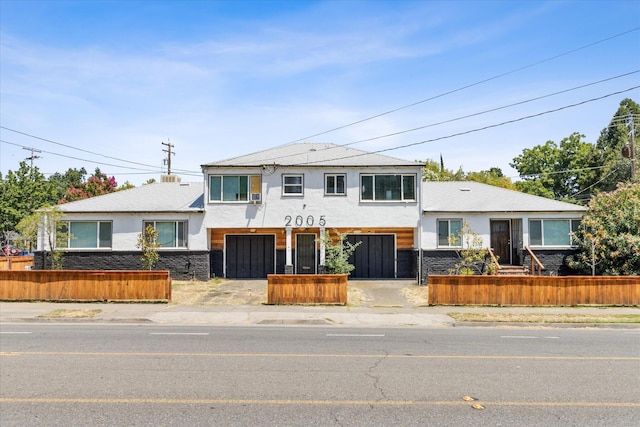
(97, 185)
(609, 235)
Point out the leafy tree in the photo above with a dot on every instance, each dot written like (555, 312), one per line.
(21, 193)
(337, 253)
(97, 185)
(575, 169)
(493, 176)
(563, 171)
(611, 141)
(434, 171)
(472, 255)
(61, 182)
(126, 186)
(47, 221)
(148, 244)
(609, 235)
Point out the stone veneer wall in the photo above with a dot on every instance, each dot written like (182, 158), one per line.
(182, 265)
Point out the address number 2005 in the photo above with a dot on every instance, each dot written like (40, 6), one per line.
(299, 221)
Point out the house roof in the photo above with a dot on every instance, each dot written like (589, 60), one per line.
(313, 154)
(157, 197)
(468, 196)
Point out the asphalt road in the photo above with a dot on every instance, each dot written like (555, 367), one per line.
(99, 375)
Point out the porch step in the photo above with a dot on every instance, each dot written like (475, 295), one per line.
(513, 270)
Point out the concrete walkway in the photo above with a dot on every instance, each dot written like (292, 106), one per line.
(376, 304)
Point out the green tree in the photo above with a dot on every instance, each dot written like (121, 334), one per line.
(61, 182)
(337, 252)
(609, 234)
(434, 171)
(611, 141)
(21, 193)
(47, 221)
(97, 185)
(493, 176)
(561, 171)
(472, 254)
(148, 244)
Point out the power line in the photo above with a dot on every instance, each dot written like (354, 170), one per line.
(467, 86)
(77, 158)
(74, 148)
(482, 128)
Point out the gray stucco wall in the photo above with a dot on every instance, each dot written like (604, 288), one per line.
(181, 265)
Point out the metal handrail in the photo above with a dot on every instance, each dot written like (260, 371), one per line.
(535, 262)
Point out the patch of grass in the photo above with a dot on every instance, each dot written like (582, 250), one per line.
(70, 314)
(546, 318)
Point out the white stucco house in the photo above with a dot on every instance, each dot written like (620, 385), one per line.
(104, 230)
(507, 222)
(266, 212)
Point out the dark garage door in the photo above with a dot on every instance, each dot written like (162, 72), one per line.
(249, 257)
(374, 258)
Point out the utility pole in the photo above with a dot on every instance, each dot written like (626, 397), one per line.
(33, 156)
(169, 153)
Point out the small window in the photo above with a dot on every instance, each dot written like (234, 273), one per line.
(292, 185)
(87, 234)
(388, 187)
(234, 188)
(335, 184)
(552, 232)
(171, 234)
(449, 233)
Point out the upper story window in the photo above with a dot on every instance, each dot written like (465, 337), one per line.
(552, 232)
(335, 184)
(87, 234)
(293, 185)
(388, 187)
(449, 233)
(171, 234)
(235, 188)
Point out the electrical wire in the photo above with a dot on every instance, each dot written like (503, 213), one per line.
(466, 86)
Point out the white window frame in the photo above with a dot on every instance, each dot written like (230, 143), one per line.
(185, 231)
(448, 245)
(70, 237)
(402, 189)
(286, 187)
(335, 184)
(573, 225)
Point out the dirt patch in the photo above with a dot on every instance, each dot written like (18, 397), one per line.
(545, 318)
(417, 295)
(219, 292)
(70, 314)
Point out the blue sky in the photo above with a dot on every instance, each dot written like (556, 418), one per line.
(103, 84)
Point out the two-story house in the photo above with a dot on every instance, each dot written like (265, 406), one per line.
(267, 212)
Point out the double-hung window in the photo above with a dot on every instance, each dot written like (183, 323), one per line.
(87, 234)
(388, 187)
(449, 233)
(171, 234)
(234, 188)
(293, 185)
(335, 184)
(552, 232)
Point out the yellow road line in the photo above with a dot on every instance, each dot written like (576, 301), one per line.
(300, 355)
(309, 402)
